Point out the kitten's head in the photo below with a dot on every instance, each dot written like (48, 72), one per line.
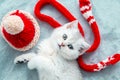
(69, 41)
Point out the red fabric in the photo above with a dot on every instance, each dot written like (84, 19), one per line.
(67, 14)
(23, 38)
(94, 25)
(91, 17)
(95, 67)
(111, 60)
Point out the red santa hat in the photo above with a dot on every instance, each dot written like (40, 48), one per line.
(20, 30)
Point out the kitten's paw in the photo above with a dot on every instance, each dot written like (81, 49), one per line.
(20, 60)
(23, 58)
(39, 62)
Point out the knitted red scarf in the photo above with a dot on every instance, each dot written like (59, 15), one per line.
(86, 10)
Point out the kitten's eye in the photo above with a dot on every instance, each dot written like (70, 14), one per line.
(64, 36)
(70, 46)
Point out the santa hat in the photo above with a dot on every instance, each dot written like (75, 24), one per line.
(20, 30)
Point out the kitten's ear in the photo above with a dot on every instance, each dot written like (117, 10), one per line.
(86, 45)
(73, 24)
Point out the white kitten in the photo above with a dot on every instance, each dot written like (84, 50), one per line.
(56, 56)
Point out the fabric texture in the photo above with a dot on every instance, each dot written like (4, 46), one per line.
(25, 39)
(106, 15)
(86, 10)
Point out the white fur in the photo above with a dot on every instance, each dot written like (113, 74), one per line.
(59, 63)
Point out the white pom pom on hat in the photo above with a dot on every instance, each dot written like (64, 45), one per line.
(20, 30)
(13, 24)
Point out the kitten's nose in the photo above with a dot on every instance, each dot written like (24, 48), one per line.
(62, 45)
